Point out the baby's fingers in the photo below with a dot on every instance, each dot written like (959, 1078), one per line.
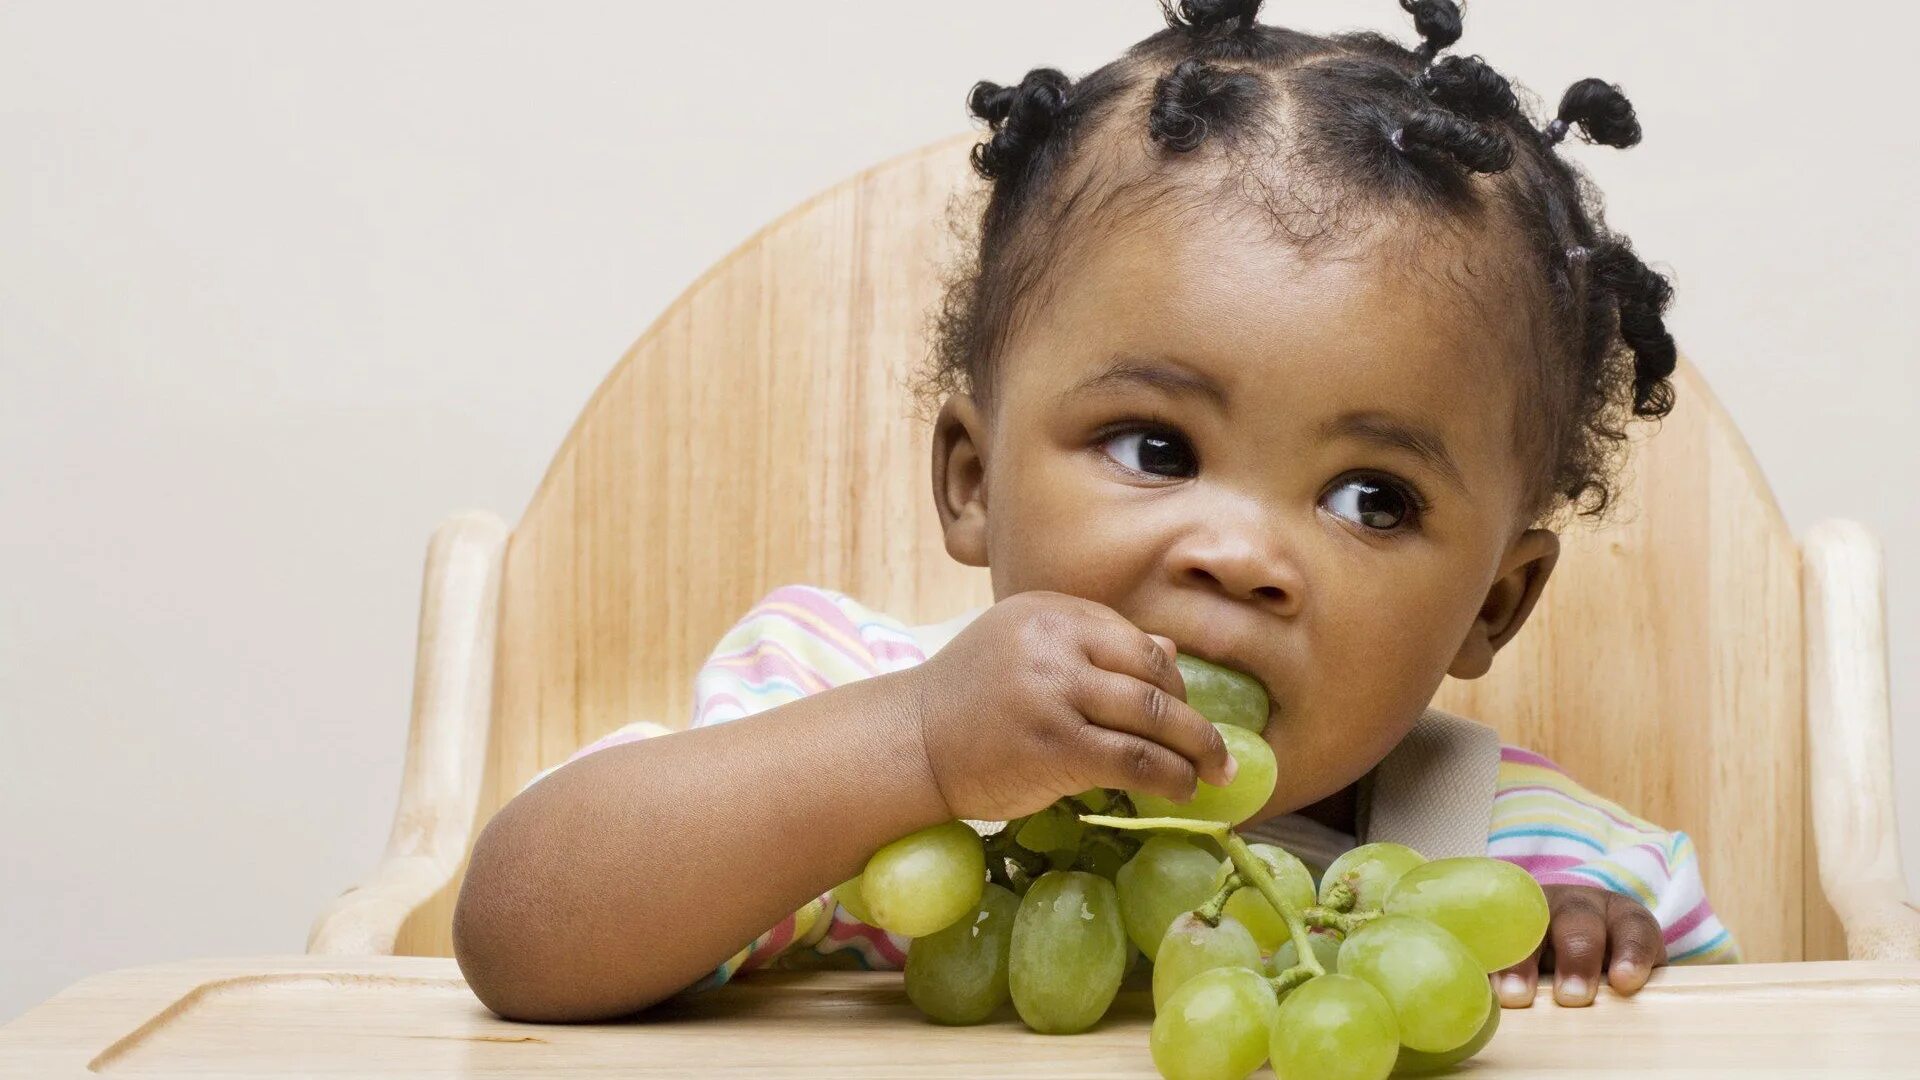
(1137, 764)
(1125, 704)
(1577, 931)
(1514, 986)
(1635, 944)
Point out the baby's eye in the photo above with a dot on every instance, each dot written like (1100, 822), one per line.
(1375, 502)
(1159, 453)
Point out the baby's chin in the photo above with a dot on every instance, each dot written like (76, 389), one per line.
(1304, 784)
(1284, 803)
(1315, 764)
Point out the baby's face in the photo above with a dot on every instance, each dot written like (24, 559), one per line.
(1216, 437)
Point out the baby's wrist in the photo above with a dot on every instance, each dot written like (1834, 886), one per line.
(903, 765)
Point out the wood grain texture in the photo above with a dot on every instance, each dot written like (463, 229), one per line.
(414, 1017)
(760, 433)
(1851, 742)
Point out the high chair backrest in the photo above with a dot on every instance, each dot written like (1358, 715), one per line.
(760, 433)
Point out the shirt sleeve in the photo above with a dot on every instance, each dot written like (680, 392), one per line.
(796, 641)
(1548, 825)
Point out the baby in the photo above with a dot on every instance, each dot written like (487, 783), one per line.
(1284, 351)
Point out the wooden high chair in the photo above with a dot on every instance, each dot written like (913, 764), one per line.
(1697, 663)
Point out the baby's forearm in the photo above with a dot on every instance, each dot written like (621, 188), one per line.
(629, 874)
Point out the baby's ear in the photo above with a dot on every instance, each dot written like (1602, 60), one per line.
(1523, 574)
(960, 479)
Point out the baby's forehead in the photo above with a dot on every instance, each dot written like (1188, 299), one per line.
(1410, 326)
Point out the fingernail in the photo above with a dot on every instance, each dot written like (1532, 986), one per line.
(1232, 770)
(1513, 989)
(1626, 973)
(1573, 991)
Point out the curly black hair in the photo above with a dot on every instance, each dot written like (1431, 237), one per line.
(1354, 127)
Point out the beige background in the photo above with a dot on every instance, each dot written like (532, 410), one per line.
(282, 284)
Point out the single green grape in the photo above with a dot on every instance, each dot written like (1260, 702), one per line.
(1334, 1027)
(923, 881)
(1054, 829)
(1371, 870)
(1436, 988)
(847, 893)
(1495, 908)
(1324, 943)
(1215, 1027)
(1419, 1063)
(1191, 947)
(959, 975)
(1068, 952)
(1252, 786)
(1252, 909)
(1165, 877)
(1223, 695)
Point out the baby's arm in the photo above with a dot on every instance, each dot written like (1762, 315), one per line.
(1625, 894)
(628, 874)
(634, 871)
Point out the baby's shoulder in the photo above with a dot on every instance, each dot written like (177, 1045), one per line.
(1534, 789)
(795, 641)
(1522, 767)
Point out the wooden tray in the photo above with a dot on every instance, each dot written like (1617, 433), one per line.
(414, 1017)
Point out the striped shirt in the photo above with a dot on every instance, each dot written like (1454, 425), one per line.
(799, 640)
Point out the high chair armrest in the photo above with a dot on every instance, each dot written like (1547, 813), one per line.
(446, 741)
(1843, 589)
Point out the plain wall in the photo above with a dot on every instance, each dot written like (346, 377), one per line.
(283, 284)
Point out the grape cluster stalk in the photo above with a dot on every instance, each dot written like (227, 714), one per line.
(1378, 969)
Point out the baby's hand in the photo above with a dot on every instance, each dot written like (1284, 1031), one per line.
(1586, 927)
(1046, 694)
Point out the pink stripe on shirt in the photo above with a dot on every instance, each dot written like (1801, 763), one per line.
(1542, 864)
(1684, 924)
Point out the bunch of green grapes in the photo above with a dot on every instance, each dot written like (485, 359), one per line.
(1383, 969)
(1378, 969)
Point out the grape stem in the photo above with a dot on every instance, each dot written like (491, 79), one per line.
(1255, 872)
(1251, 870)
(1032, 863)
(1216, 829)
(1326, 918)
(1209, 912)
(1340, 896)
(1292, 977)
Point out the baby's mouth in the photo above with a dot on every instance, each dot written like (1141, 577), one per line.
(1225, 685)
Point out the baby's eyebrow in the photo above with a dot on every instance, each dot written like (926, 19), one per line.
(1158, 375)
(1387, 430)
